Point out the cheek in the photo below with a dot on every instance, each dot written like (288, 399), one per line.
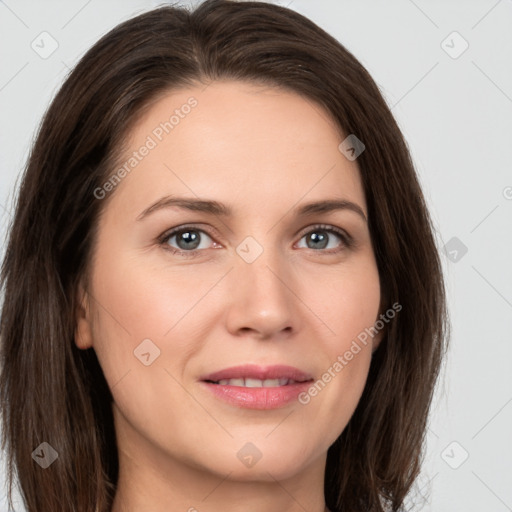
(347, 300)
(148, 303)
(136, 302)
(349, 306)
(142, 334)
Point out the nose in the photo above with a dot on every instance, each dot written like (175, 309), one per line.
(262, 303)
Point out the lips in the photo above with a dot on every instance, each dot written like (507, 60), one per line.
(249, 375)
(257, 387)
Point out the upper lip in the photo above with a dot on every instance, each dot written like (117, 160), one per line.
(252, 371)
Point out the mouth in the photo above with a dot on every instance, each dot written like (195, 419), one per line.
(257, 387)
(257, 383)
(254, 376)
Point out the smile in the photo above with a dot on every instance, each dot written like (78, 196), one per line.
(255, 383)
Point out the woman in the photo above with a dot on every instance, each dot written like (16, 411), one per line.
(222, 288)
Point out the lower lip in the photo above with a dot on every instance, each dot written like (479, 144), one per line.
(258, 398)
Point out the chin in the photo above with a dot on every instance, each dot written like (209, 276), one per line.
(265, 461)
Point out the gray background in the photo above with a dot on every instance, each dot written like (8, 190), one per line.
(455, 110)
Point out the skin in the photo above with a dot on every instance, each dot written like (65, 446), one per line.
(263, 152)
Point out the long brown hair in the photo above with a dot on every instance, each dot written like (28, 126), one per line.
(53, 392)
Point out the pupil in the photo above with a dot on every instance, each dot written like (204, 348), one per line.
(315, 238)
(190, 239)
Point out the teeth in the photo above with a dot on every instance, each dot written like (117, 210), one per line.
(256, 383)
(253, 383)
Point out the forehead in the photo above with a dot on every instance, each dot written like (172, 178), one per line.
(251, 142)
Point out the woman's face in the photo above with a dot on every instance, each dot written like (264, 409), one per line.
(262, 284)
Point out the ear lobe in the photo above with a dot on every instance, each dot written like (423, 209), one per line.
(83, 330)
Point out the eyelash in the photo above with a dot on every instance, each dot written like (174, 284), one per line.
(346, 239)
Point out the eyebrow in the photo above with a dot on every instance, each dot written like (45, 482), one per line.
(215, 208)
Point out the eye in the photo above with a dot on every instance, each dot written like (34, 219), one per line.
(189, 240)
(324, 237)
(186, 239)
